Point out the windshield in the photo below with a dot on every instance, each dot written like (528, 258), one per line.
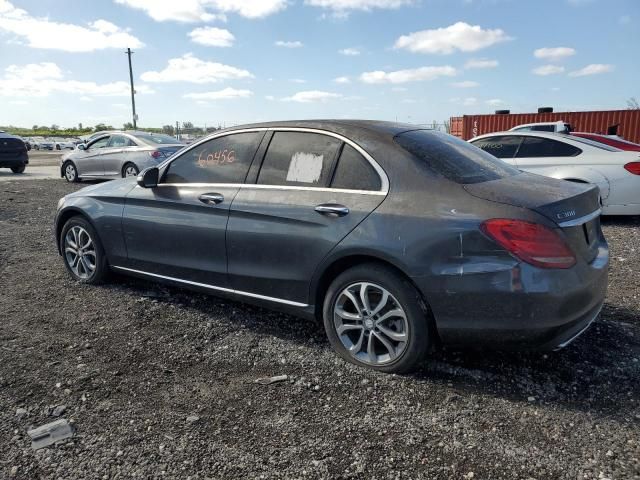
(156, 138)
(453, 158)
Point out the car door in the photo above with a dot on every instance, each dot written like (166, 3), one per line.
(177, 229)
(88, 161)
(114, 155)
(283, 225)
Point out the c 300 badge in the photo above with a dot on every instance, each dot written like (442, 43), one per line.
(563, 215)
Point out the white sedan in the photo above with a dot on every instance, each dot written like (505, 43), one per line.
(616, 172)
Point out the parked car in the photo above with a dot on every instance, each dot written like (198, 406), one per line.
(615, 172)
(611, 140)
(46, 144)
(555, 127)
(117, 154)
(13, 153)
(398, 238)
(64, 144)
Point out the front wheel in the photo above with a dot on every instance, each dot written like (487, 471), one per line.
(130, 170)
(82, 251)
(374, 317)
(19, 169)
(70, 172)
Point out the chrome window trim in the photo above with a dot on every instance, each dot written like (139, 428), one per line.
(213, 287)
(579, 221)
(384, 180)
(248, 186)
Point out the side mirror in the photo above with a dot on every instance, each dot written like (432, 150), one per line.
(81, 146)
(148, 178)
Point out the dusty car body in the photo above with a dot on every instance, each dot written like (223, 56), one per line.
(397, 238)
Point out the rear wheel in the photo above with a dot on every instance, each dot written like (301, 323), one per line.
(373, 317)
(130, 170)
(82, 251)
(19, 169)
(70, 172)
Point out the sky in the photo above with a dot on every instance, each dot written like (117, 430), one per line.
(228, 62)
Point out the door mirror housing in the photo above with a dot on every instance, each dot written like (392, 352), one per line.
(148, 178)
(82, 146)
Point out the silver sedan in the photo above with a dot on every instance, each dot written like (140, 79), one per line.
(116, 155)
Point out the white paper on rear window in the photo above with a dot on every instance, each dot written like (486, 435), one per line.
(305, 168)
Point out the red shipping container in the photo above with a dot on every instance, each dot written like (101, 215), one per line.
(628, 121)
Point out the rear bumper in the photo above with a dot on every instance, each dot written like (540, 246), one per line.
(521, 307)
(14, 161)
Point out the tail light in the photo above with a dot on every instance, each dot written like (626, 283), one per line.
(156, 154)
(530, 242)
(633, 167)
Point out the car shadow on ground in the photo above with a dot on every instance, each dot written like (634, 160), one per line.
(630, 221)
(598, 373)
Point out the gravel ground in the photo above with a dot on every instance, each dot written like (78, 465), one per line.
(160, 382)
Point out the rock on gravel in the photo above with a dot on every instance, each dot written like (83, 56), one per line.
(157, 359)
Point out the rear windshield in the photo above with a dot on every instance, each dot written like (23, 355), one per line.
(154, 138)
(592, 143)
(453, 158)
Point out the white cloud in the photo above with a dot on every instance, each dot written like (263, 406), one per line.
(212, 37)
(343, 6)
(349, 52)
(187, 11)
(554, 54)
(297, 80)
(545, 70)
(495, 102)
(285, 44)
(459, 36)
(46, 78)
(593, 69)
(465, 84)
(193, 70)
(481, 63)
(224, 94)
(270, 97)
(410, 75)
(311, 96)
(342, 80)
(45, 34)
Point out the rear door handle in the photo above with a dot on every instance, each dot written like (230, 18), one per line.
(332, 209)
(211, 198)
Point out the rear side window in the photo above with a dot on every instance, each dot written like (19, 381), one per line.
(220, 160)
(354, 172)
(501, 147)
(533, 147)
(453, 158)
(297, 158)
(543, 128)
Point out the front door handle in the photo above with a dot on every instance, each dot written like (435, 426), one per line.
(332, 209)
(211, 198)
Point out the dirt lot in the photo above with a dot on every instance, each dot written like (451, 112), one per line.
(160, 382)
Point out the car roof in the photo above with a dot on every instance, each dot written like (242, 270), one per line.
(526, 133)
(562, 137)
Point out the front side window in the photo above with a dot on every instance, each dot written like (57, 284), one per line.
(354, 172)
(453, 158)
(536, 147)
(120, 141)
(501, 147)
(100, 143)
(220, 160)
(299, 158)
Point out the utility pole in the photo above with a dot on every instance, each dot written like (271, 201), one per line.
(133, 92)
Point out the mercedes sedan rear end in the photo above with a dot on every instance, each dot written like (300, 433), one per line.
(398, 239)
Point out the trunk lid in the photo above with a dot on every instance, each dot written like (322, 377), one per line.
(560, 201)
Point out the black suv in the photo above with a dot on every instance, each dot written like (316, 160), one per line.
(13, 153)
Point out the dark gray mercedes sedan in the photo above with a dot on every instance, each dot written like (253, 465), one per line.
(399, 239)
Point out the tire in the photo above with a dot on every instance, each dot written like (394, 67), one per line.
(411, 331)
(82, 252)
(70, 172)
(128, 170)
(19, 169)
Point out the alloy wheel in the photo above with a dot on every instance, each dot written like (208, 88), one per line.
(131, 171)
(371, 324)
(70, 172)
(80, 252)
